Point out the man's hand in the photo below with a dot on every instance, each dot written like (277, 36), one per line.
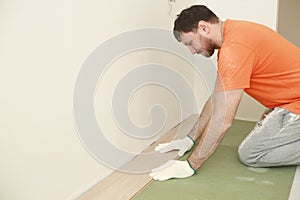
(183, 145)
(172, 169)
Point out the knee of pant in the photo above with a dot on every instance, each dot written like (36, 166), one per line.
(246, 157)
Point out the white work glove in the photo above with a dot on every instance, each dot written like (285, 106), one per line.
(183, 145)
(172, 169)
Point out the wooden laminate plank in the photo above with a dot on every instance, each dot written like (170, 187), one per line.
(125, 185)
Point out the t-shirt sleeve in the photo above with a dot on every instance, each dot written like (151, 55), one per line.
(235, 67)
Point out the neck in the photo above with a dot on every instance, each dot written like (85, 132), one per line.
(221, 37)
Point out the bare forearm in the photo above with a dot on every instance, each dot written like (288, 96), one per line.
(211, 138)
(202, 121)
(225, 105)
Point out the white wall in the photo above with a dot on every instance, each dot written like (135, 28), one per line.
(43, 45)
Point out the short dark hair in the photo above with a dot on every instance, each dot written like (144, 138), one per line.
(188, 19)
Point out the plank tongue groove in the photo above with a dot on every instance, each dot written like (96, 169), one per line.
(124, 185)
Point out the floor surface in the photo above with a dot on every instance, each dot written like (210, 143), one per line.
(223, 177)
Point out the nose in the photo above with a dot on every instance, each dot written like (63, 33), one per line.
(192, 50)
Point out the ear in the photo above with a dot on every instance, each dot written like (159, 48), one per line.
(203, 27)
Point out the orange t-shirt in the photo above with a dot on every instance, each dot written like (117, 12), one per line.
(260, 61)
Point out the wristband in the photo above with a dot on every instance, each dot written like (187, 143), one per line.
(191, 138)
(195, 171)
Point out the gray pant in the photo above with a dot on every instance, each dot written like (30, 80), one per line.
(275, 141)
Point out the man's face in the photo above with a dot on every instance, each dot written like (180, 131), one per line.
(198, 43)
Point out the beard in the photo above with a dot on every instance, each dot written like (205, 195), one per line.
(208, 47)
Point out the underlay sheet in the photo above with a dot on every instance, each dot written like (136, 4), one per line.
(224, 177)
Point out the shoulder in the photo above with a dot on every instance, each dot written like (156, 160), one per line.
(245, 31)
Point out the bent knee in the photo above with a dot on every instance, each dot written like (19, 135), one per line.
(244, 156)
(248, 158)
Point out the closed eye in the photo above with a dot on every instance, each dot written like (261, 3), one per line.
(188, 44)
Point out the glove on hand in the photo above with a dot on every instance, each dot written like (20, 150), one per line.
(183, 145)
(172, 169)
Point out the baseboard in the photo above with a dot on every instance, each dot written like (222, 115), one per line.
(122, 185)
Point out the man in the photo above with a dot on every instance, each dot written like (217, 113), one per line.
(253, 59)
